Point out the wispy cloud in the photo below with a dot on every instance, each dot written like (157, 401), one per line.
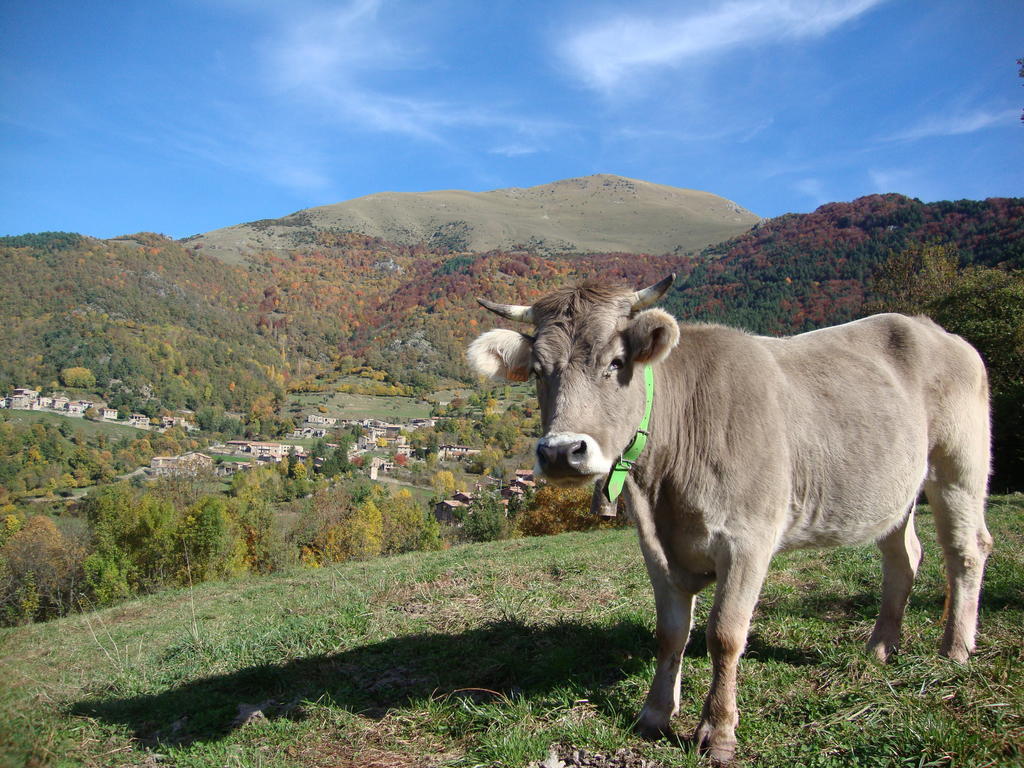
(813, 188)
(607, 54)
(906, 181)
(956, 123)
(338, 61)
(514, 150)
(741, 131)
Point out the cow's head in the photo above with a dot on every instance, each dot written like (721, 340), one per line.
(586, 355)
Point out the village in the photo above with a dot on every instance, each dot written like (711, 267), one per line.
(24, 399)
(380, 444)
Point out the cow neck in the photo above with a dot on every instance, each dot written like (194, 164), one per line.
(617, 477)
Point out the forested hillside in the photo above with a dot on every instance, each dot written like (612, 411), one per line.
(157, 326)
(163, 325)
(803, 271)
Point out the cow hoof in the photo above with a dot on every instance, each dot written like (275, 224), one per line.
(652, 726)
(881, 649)
(720, 749)
(957, 653)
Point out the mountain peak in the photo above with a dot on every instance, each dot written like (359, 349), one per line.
(598, 213)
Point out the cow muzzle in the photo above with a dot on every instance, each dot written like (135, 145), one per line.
(569, 458)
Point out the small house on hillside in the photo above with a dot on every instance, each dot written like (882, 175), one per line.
(186, 464)
(275, 451)
(317, 418)
(446, 510)
(457, 452)
(23, 399)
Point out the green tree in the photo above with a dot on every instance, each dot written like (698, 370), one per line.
(134, 540)
(79, 377)
(209, 547)
(486, 519)
(985, 306)
(443, 482)
(407, 526)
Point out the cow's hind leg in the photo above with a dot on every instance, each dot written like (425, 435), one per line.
(739, 585)
(901, 556)
(957, 499)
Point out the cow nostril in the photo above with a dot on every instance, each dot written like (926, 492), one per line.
(580, 448)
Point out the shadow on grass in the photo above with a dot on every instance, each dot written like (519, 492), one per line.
(505, 658)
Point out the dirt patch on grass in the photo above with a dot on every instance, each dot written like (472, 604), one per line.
(385, 743)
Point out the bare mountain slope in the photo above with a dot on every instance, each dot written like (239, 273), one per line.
(600, 213)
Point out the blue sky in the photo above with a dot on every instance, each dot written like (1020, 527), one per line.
(187, 115)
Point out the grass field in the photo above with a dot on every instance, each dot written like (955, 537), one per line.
(345, 405)
(85, 426)
(488, 654)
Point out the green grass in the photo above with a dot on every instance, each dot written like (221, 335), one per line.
(488, 654)
(89, 428)
(345, 405)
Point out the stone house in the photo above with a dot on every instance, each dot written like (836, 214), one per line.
(187, 463)
(317, 418)
(458, 452)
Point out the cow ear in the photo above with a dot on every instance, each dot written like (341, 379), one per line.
(651, 335)
(501, 354)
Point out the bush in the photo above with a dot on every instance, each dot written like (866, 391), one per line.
(407, 525)
(486, 519)
(78, 377)
(134, 535)
(557, 510)
(264, 549)
(208, 546)
(41, 573)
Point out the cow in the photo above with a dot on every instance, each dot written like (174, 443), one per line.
(752, 445)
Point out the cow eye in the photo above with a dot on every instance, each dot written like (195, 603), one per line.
(613, 366)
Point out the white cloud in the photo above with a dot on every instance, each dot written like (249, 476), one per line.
(514, 150)
(813, 188)
(905, 181)
(740, 131)
(957, 123)
(607, 53)
(337, 62)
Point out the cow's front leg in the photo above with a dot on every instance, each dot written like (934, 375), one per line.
(675, 615)
(740, 576)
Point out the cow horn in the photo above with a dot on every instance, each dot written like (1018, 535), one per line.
(511, 311)
(650, 295)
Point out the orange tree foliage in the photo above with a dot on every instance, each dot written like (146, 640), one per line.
(40, 572)
(557, 510)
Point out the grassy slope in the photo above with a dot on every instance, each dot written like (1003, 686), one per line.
(346, 405)
(601, 213)
(485, 655)
(85, 426)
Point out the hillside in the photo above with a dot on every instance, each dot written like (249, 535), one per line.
(599, 214)
(169, 324)
(803, 271)
(489, 654)
(158, 326)
(786, 275)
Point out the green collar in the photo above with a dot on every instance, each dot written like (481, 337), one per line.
(617, 477)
